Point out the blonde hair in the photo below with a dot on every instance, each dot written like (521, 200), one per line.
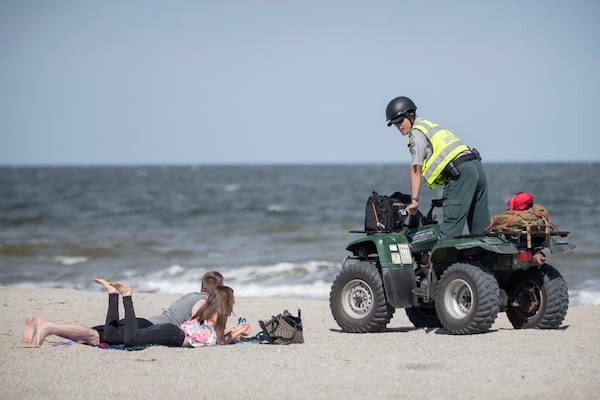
(219, 302)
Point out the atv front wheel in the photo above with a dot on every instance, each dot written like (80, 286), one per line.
(467, 299)
(357, 299)
(540, 299)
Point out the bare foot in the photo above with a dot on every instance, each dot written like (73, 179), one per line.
(106, 285)
(122, 288)
(28, 330)
(41, 328)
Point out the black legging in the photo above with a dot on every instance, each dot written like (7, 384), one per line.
(134, 331)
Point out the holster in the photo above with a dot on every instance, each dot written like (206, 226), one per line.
(451, 170)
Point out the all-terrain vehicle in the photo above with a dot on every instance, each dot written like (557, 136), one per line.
(459, 284)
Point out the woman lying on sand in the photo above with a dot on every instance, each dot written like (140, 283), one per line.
(205, 328)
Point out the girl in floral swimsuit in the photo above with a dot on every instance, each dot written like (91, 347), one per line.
(207, 326)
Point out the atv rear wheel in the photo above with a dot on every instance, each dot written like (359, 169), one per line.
(540, 299)
(423, 316)
(467, 299)
(357, 299)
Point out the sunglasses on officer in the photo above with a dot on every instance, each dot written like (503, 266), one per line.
(399, 119)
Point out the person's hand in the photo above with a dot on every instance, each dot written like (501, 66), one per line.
(244, 328)
(235, 332)
(413, 207)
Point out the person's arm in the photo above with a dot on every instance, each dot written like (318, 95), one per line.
(418, 150)
(234, 333)
(415, 186)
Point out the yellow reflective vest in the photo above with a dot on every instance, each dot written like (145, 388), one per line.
(446, 146)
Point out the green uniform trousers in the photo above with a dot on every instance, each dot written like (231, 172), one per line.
(465, 200)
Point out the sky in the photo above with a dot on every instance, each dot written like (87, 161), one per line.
(266, 82)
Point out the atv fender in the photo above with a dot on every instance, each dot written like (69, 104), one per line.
(395, 261)
(449, 250)
(392, 249)
(559, 244)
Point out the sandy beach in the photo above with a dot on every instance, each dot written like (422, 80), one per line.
(400, 363)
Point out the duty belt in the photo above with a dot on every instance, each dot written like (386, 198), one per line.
(452, 168)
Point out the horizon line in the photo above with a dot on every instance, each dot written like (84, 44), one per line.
(258, 164)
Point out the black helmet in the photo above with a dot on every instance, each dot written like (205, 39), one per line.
(400, 106)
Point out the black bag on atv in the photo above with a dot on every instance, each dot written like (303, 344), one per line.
(385, 213)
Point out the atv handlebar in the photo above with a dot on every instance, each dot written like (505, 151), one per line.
(434, 203)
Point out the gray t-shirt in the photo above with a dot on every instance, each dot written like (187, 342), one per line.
(420, 147)
(178, 312)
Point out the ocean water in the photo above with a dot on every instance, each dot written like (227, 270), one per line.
(272, 230)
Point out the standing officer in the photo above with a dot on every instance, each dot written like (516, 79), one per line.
(442, 158)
